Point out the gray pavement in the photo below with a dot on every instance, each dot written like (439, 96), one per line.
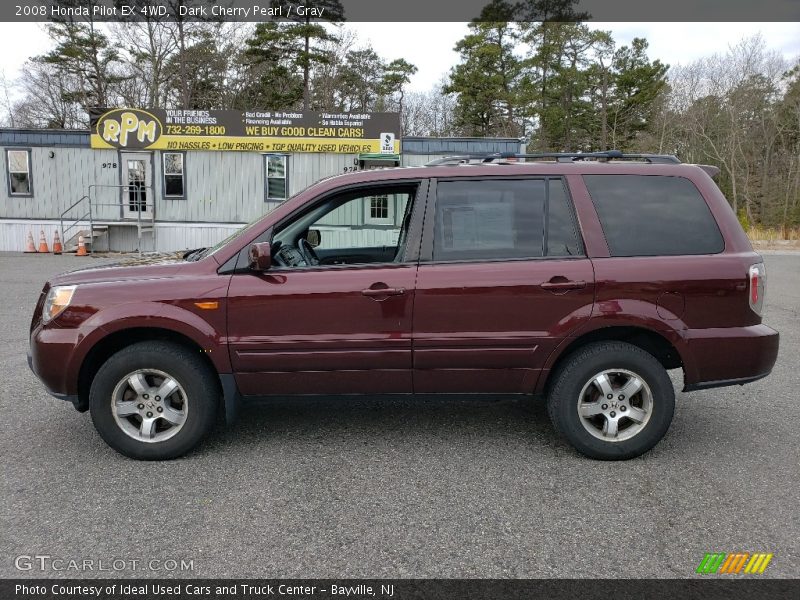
(401, 488)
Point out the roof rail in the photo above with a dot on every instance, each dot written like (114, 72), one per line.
(459, 159)
(558, 156)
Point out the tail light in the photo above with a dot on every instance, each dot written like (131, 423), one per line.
(758, 285)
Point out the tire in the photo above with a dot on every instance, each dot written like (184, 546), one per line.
(135, 420)
(615, 427)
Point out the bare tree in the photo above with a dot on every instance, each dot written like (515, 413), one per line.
(430, 113)
(5, 101)
(46, 101)
(148, 45)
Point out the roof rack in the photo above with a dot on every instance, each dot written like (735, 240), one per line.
(565, 157)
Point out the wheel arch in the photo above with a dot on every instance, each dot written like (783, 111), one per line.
(117, 340)
(649, 340)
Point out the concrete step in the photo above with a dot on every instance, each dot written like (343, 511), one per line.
(88, 237)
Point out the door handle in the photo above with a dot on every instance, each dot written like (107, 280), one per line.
(562, 286)
(378, 292)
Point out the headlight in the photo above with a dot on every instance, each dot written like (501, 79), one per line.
(58, 298)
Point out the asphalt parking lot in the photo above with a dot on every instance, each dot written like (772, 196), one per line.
(403, 488)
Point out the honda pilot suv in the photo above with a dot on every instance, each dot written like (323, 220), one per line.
(581, 279)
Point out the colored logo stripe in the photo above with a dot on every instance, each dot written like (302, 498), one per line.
(734, 562)
(758, 562)
(723, 563)
(711, 562)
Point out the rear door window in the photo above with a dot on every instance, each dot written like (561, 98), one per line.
(496, 219)
(562, 232)
(653, 215)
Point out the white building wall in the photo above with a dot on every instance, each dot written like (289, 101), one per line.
(122, 238)
(58, 181)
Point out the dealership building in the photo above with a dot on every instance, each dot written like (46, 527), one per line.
(179, 192)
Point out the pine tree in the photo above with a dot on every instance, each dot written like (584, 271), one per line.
(395, 77)
(486, 80)
(270, 57)
(361, 80)
(312, 34)
(84, 53)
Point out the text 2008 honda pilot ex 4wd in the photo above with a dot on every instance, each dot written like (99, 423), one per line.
(583, 278)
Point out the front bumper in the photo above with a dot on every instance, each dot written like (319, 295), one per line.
(73, 398)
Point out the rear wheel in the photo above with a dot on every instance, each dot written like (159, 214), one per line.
(154, 400)
(611, 400)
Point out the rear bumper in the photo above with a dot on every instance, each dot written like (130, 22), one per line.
(706, 385)
(729, 356)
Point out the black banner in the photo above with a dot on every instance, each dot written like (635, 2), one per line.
(407, 10)
(400, 589)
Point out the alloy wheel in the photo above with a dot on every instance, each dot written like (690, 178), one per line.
(149, 405)
(615, 405)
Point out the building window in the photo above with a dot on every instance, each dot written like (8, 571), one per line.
(19, 172)
(174, 175)
(378, 210)
(277, 187)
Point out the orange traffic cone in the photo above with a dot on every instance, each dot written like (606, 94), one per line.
(81, 247)
(57, 247)
(29, 247)
(43, 243)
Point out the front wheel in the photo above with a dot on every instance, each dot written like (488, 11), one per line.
(154, 400)
(611, 400)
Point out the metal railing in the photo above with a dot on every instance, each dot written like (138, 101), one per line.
(77, 222)
(139, 204)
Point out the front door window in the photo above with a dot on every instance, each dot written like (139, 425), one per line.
(368, 227)
(137, 185)
(137, 182)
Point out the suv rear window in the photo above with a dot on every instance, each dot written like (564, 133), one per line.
(653, 215)
(502, 219)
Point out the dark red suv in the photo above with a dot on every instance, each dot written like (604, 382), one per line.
(582, 278)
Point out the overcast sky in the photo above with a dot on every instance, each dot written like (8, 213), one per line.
(430, 45)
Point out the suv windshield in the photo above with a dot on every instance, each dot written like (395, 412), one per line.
(219, 245)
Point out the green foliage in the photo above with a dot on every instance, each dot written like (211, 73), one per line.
(638, 82)
(744, 221)
(361, 79)
(85, 56)
(566, 86)
(202, 61)
(270, 56)
(395, 77)
(487, 80)
(584, 93)
(312, 34)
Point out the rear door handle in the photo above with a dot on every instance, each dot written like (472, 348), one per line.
(561, 286)
(379, 292)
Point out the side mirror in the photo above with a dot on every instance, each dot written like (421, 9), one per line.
(314, 237)
(260, 256)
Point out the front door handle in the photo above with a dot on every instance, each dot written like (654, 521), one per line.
(381, 292)
(562, 285)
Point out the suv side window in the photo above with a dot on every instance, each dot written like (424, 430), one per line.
(495, 219)
(653, 215)
(489, 219)
(562, 233)
(353, 227)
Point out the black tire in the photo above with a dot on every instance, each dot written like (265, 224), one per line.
(579, 370)
(185, 367)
